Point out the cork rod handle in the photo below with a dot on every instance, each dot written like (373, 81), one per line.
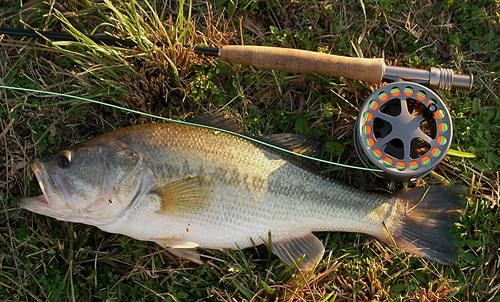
(303, 61)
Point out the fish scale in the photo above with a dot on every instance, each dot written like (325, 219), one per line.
(186, 187)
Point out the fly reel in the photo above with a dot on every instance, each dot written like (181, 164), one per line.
(403, 129)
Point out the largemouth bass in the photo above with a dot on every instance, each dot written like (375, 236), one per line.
(185, 187)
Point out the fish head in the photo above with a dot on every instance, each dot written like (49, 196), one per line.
(89, 183)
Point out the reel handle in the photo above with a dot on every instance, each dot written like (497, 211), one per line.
(370, 70)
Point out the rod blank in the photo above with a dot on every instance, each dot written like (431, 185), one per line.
(295, 60)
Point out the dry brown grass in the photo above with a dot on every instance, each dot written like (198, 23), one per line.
(88, 262)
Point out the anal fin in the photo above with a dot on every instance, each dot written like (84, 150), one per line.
(309, 247)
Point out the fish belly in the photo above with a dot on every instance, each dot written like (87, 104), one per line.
(292, 203)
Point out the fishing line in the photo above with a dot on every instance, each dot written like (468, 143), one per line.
(249, 138)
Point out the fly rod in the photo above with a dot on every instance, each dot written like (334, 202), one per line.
(403, 129)
(372, 70)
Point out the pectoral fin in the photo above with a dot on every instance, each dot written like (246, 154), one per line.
(293, 250)
(188, 195)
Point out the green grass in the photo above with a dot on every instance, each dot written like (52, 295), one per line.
(42, 259)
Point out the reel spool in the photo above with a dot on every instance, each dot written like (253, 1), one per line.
(403, 129)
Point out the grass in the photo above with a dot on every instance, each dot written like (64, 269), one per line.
(45, 260)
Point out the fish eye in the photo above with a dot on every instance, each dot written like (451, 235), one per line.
(64, 159)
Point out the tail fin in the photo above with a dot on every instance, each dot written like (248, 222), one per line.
(423, 221)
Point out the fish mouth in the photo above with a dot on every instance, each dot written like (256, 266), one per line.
(56, 201)
(33, 201)
(52, 188)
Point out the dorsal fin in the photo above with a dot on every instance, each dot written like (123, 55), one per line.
(298, 143)
(303, 144)
(217, 121)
